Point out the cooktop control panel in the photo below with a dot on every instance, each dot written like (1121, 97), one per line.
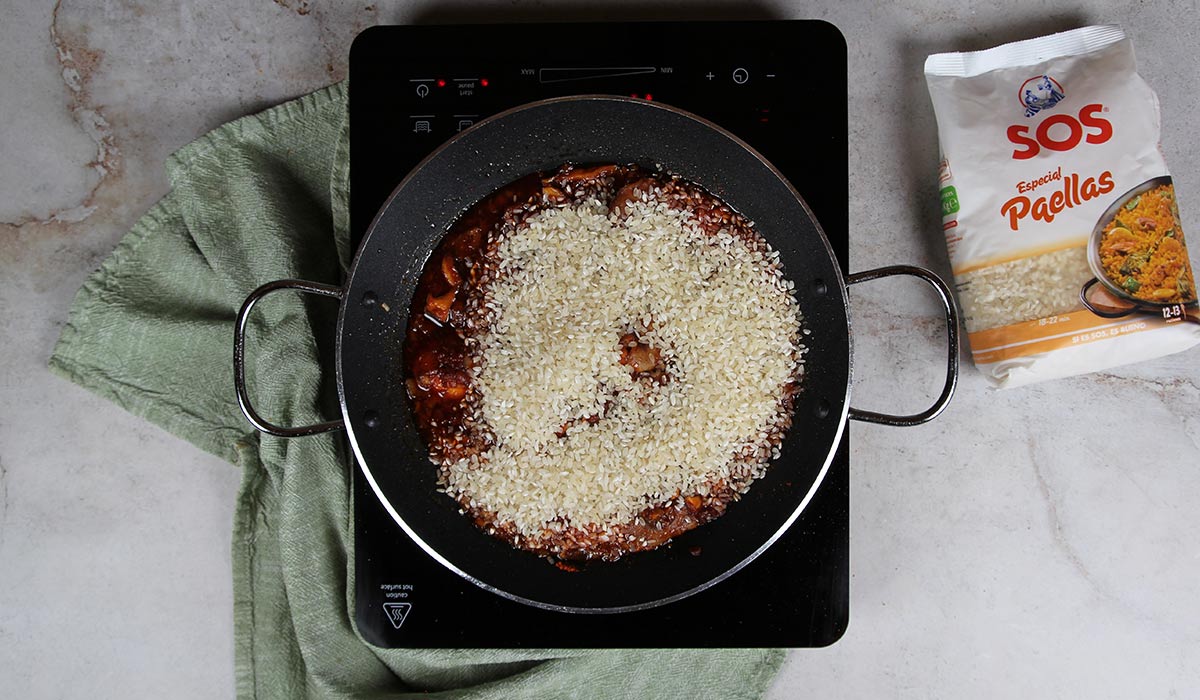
(781, 87)
(758, 79)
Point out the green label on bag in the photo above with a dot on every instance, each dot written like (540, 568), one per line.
(949, 201)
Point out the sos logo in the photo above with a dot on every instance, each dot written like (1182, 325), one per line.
(1061, 132)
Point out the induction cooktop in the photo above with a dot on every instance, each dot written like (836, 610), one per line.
(780, 86)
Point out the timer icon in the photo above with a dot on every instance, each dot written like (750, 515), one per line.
(740, 76)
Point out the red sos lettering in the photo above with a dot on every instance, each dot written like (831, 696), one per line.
(1088, 127)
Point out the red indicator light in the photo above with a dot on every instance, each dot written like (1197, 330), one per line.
(483, 82)
(441, 83)
(649, 97)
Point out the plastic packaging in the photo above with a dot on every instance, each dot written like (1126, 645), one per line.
(1059, 213)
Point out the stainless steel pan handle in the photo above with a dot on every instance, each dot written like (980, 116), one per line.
(951, 336)
(239, 358)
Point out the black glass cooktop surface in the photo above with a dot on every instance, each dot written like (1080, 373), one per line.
(780, 86)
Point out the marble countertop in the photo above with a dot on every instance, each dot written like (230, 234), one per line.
(1038, 542)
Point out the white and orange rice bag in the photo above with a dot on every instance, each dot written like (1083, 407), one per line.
(1058, 210)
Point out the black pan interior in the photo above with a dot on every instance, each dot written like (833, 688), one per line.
(500, 150)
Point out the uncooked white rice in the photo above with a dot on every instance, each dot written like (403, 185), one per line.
(571, 281)
(1024, 289)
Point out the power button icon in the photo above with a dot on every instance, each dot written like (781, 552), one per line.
(740, 76)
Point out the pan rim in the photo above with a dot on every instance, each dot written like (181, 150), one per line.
(843, 418)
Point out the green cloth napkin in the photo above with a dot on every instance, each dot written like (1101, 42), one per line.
(262, 198)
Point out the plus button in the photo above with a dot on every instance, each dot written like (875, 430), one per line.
(709, 75)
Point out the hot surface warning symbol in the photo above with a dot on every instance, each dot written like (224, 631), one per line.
(396, 612)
